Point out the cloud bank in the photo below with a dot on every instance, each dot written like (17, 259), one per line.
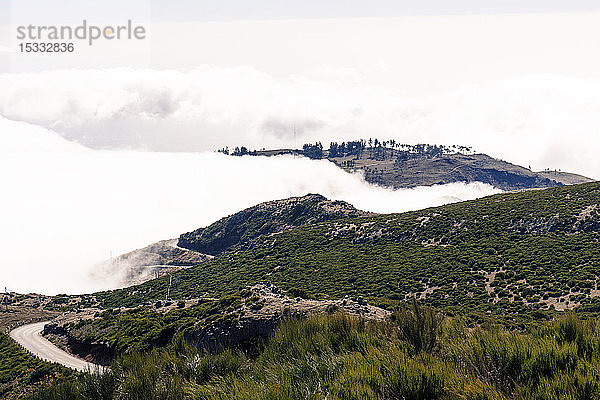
(542, 121)
(65, 207)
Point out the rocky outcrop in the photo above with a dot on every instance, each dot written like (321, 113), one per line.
(266, 306)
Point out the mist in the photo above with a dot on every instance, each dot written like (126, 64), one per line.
(66, 208)
(542, 121)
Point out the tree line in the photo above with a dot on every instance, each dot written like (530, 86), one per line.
(375, 147)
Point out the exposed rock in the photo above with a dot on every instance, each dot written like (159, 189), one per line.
(273, 308)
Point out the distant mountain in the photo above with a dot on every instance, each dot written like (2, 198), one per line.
(411, 170)
(405, 166)
(264, 219)
(146, 263)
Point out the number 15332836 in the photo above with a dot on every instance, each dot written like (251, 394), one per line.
(44, 47)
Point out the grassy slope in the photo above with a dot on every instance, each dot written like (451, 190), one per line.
(543, 245)
(21, 373)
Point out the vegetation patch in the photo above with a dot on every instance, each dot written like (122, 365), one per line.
(22, 373)
(526, 253)
(340, 357)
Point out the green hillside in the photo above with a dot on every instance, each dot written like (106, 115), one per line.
(266, 218)
(513, 252)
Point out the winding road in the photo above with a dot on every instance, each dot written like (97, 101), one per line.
(29, 336)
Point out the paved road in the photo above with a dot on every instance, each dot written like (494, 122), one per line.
(29, 336)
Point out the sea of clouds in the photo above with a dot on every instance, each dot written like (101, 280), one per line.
(543, 121)
(65, 207)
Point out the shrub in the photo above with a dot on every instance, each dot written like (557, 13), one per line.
(415, 381)
(331, 308)
(419, 326)
(295, 292)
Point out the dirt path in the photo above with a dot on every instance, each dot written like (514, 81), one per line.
(29, 336)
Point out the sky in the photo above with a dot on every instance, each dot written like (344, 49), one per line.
(398, 44)
(203, 10)
(111, 147)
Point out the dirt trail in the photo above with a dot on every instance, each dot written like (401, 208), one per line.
(30, 337)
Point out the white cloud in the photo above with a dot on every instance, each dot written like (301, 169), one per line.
(542, 121)
(65, 208)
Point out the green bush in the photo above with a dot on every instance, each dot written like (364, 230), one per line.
(419, 326)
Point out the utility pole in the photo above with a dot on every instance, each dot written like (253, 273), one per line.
(295, 142)
(169, 288)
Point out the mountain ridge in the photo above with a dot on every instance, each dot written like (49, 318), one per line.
(265, 218)
(395, 165)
